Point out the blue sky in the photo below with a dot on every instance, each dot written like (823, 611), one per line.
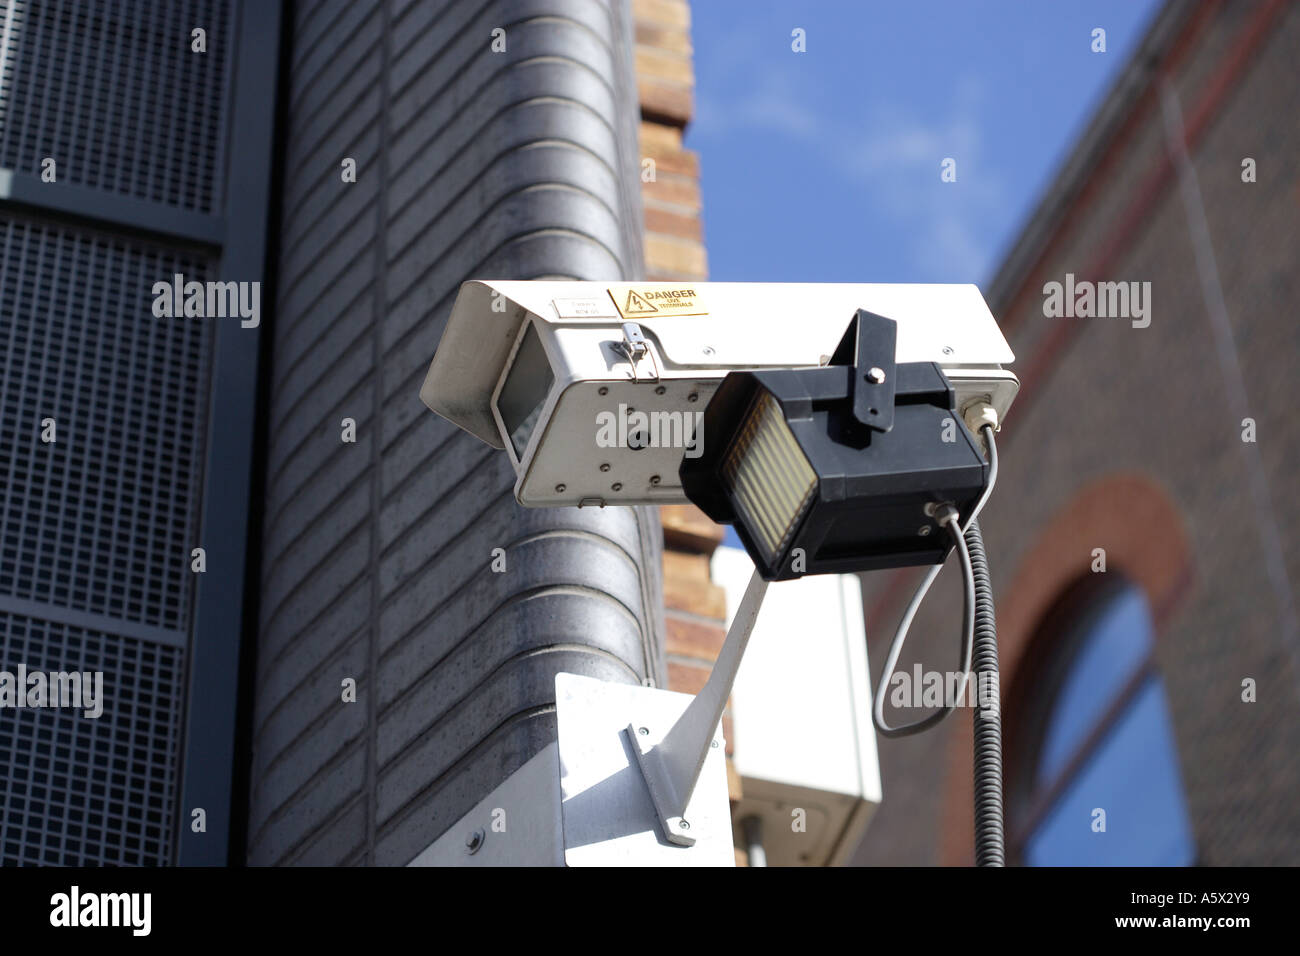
(825, 165)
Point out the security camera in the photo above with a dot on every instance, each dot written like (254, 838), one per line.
(838, 427)
(597, 390)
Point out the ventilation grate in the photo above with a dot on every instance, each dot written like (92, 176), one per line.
(112, 91)
(77, 791)
(102, 520)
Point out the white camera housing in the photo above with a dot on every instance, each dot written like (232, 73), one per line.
(594, 388)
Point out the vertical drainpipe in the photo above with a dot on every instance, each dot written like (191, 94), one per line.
(380, 555)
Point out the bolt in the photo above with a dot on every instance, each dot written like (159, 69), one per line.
(693, 397)
(660, 390)
(875, 375)
(923, 530)
(474, 842)
(559, 489)
(947, 350)
(603, 390)
(685, 825)
(643, 731)
(617, 486)
(605, 467)
(654, 479)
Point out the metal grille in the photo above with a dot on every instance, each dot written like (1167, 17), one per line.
(76, 790)
(102, 519)
(112, 91)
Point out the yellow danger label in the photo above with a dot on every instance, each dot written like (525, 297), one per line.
(653, 298)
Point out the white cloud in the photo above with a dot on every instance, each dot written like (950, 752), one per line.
(889, 153)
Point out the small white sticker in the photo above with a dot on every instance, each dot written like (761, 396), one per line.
(593, 308)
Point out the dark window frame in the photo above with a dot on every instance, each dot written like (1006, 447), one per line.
(1052, 653)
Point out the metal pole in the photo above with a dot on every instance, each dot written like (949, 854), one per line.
(672, 767)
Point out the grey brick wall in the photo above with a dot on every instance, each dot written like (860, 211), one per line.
(376, 553)
(1155, 402)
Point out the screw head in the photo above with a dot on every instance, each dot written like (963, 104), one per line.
(605, 467)
(875, 375)
(474, 842)
(559, 489)
(654, 479)
(693, 397)
(685, 825)
(708, 350)
(643, 731)
(923, 530)
(660, 390)
(617, 486)
(603, 390)
(714, 745)
(947, 350)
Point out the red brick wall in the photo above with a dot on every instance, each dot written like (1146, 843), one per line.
(1124, 439)
(674, 242)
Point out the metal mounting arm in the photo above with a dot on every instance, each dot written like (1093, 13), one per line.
(672, 766)
(869, 346)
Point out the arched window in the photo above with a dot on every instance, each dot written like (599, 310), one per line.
(1094, 774)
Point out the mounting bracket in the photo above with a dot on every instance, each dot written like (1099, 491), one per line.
(868, 346)
(672, 766)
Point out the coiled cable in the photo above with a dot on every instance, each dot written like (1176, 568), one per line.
(968, 622)
(979, 655)
(990, 843)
